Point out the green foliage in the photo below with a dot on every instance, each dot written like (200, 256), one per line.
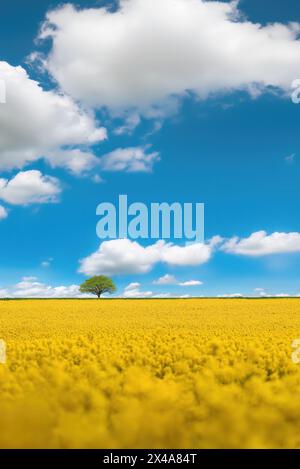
(98, 285)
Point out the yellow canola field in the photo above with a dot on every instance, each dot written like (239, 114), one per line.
(150, 373)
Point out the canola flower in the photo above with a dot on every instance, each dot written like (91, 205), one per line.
(150, 373)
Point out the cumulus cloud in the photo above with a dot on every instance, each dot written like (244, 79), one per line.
(55, 123)
(123, 256)
(130, 160)
(191, 254)
(30, 287)
(262, 244)
(261, 292)
(113, 59)
(4, 293)
(3, 213)
(30, 187)
(130, 122)
(171, 280)
(190, 283)
(120, 256)
(133, 291)
(76, 161)
(166, 280)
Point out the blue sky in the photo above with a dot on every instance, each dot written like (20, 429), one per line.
(220, 119)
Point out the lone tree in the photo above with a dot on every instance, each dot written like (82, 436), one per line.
(98, 285)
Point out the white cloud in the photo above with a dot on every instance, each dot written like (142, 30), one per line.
(166, 280)
(30, 287)
(130, 122)
(190, 283)
(123, 256)
(114, 59)
(29, 187)
(262, 293)
(191, 254)
(120, 256)
(76, 161)
(29, 278)
(97, 179)
(132, 286)
(262, 244)
(38, 124)
(133, 291)
(290, 159)
(46, 263)
(231, 295)
(4, 293)
(170, 295)
(162, 295)
(3, 213)
(171, 280)
(131, 160)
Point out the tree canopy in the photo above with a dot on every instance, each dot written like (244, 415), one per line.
(98, 285)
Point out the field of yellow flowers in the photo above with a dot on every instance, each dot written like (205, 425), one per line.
(150, 373)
